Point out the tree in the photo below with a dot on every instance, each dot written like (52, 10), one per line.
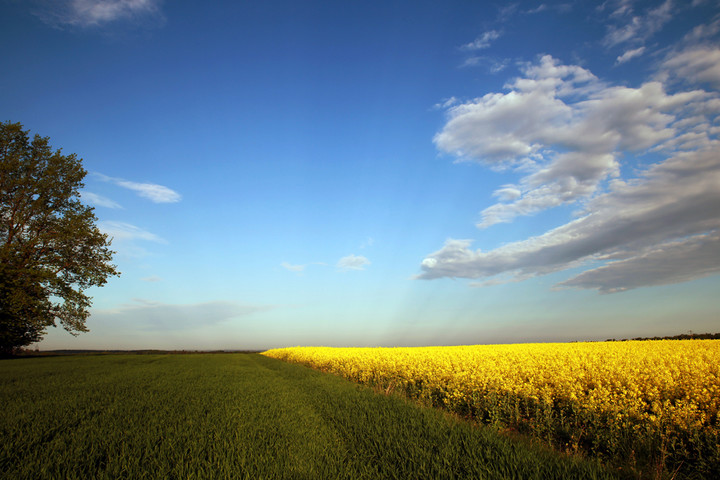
(51, 251)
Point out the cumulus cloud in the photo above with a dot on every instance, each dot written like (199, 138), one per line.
(353, 262)
(565, 128)
(570, 134)
(92, 13)
(151, 315)
(503, 128)
(98, 200)
(152, 191)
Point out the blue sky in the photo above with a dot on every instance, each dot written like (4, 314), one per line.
(383, 173)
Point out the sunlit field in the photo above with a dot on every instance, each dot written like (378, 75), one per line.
(647, 407)
(239, 416)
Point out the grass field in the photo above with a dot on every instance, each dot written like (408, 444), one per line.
(238, 416)
(650, 408)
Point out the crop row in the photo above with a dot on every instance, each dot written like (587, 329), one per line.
(644, 405)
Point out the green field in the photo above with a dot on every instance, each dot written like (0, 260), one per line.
(237, 416)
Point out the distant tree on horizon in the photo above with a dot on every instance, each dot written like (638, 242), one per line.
(683, 336)
(51, 251)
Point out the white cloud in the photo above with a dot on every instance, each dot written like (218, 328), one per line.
(472, 61)
(446, 103)
(96, 13)
(353, 262)
(122, 231)
(673, 262)
(506, 12)
(498, 66)
(91, 13)
(571, 135)
(508, 193)
(99, 200)
(565, 128)
(636, 28)
(499, 128)
(540, 8)
(483, 41)
(293, 268)
(621, 8)
(670, 214)
(493, 64)
(152, 191)
(703, 32)
(695, 65)
(630, 54)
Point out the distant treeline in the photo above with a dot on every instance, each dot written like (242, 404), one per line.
(683, 336)
(24, 352)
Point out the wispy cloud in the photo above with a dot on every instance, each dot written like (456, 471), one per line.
(369, 242)
(98, 200)
(636, 27)
(92, 13)
(483, 41)
(152, 191)
(568, 134)
(293, 268)
(349, 262)
(629, 55)
(493, 64)
(353, 262)
(506, 12)
(445, 103)
(540, 8)
(703, 32)
(123, 231)
(696, 65)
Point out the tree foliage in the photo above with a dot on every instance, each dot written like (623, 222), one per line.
(51, 251)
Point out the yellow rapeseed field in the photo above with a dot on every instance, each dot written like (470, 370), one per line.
(657, 400)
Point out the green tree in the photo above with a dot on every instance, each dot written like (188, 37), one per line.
(51, 251)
